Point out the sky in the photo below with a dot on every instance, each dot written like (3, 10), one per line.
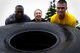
(7, 8)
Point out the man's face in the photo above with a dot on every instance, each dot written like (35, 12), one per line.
(61, 8)
(38, 14)
(19, 13)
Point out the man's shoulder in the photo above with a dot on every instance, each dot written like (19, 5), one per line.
(10, 19)
(71, 16)
(11, 16)
(26, 16)
(53, 16)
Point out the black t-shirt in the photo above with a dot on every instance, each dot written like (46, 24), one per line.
(42, 20)
(12, 19)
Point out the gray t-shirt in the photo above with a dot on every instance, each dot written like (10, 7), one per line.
(12, 19)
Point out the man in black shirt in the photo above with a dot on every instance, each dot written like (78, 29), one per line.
(18, 16)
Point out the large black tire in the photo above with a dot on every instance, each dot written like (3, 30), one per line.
(73, 39)
(41, 37)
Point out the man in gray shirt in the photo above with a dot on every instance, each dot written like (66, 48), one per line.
(18, 16)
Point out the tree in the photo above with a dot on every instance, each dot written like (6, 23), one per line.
(78, 26)
(51, 11)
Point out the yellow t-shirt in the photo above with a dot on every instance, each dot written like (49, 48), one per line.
(68, 20)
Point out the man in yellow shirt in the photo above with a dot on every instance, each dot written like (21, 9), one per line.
(63, 17)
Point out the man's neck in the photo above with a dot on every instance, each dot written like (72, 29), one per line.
(61, 17)
(38, 20)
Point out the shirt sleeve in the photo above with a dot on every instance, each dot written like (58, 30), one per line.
(51, 19)
(74, 23)
(9, 20)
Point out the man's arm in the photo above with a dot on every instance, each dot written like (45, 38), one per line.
(9, 20)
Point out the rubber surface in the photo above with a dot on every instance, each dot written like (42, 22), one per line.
(41, 37)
